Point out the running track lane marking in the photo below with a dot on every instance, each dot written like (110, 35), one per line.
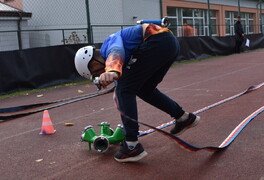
(249, 89)
(223, 145)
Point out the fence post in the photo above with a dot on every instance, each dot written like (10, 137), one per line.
(63, 36)
(161, 12)
(19, 31)
(239, 7)
(209, 17)
(89, 35)
(260, 16)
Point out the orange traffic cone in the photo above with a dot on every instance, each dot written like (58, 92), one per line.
(47, 126)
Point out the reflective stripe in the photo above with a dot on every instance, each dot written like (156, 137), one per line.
(46, 123)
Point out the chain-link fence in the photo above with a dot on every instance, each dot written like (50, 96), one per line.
(37, 23)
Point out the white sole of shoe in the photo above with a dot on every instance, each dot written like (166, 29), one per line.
(133, 159)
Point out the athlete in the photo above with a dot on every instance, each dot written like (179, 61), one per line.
(136, 59)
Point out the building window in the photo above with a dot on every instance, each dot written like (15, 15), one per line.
(213, 25)
(173, 19)
(192, 22)
(228, 23)
(250, 23)
(247, 21)
(261, 22)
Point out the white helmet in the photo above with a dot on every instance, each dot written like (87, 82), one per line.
(82, 59)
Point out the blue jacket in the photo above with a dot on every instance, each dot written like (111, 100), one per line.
(123, 42)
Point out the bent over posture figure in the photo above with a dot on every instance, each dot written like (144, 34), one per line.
(136, 58)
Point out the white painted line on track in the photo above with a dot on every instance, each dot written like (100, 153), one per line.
(170, 90)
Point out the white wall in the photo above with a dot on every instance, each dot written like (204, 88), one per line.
(64, 14)
(120, 12)
(9, 40)
(55, 14)
(142, 9)
(106, 11)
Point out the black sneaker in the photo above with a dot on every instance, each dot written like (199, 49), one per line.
(127, 155)
(182, 125)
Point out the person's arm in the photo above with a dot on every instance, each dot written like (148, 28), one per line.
(239, 29)
(113, 51)
(114, 62)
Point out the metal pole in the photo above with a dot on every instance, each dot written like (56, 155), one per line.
(209, 17)
(260, 16)
(161, 12)
(239, 7)
(89, 35)
(19, 31)
(63, 36)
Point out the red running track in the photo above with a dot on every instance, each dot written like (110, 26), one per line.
(24, 154)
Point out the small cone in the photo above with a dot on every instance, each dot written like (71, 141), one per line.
(47, 126)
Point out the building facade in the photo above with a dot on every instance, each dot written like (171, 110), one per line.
(74, 22)
(14, 3)
(12, 20)
(215, 18)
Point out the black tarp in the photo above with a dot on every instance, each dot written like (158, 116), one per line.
(37, 68)
(47, 66)
(204, 47)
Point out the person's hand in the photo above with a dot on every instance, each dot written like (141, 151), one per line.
(107, 78)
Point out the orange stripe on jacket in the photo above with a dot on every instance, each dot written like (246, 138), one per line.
(154, 29)
(114, 62)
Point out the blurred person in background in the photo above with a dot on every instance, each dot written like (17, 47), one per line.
(239, 35)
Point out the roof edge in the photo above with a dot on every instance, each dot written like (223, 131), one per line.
(15, 14)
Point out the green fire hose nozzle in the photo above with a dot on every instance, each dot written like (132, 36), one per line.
(107, 136)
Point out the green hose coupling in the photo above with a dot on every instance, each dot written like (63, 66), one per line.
(107, 136)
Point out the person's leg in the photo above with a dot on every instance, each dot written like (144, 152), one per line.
(140, 77)
(153, 59)
(126, 103)
(150, 57)
(130, 150)
(237, 47)
(153, 96)
(240, 45)
(150, 94)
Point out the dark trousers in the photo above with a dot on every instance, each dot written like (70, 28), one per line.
(238, 45)
(141, 75)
